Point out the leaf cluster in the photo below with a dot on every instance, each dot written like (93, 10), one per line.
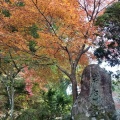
(109, 24)
(20, 4)
(6, 13)
(54, 103)
(32, 45)
(33, 31)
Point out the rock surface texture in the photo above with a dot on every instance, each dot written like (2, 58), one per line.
(95, 100)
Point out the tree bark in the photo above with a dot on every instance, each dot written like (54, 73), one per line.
(10, 91)
(73, 80)
(12, 102)
(74, 87)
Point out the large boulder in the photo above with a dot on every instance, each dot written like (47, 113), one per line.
(95, 100)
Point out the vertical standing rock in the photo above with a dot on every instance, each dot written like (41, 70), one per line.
(95, 100)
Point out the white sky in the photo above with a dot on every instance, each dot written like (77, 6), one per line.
(108, 68)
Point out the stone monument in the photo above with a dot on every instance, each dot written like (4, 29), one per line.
(95, 100)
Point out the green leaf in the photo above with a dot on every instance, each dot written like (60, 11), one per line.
(55, 27)
(20, 4)
(32, 46)
(6, 13)
(33, 31)
(53, 68)
(6, 60)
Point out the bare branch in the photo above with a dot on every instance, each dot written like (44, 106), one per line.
(93, 12)
(84, 7)
(96, 8)
(107, 5)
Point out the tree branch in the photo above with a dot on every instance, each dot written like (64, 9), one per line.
(84, 51)
(96, 8)
(81, 51)
(44, 18)
(13, 61)
(16, 73)
(93, 12)
(69, 55)
(63, 70)
(79, 55)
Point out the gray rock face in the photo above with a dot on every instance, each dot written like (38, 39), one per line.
(95, 100)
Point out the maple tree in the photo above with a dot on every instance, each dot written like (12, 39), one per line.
(58, 32)
(74, 37)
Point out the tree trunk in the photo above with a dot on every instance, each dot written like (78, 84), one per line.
(73, 64)
(12, 99)
(12, 103)
(74, 87)
(10, 91)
